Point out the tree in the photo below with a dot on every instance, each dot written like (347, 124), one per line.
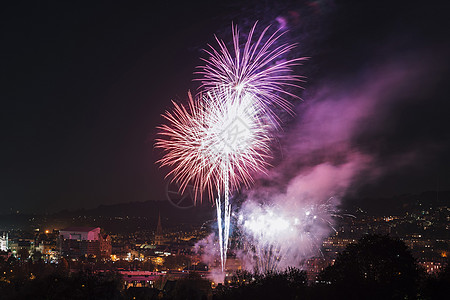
(37, 256)
(377, 267)
(288, 284)
(23, 253)
(148, 266)
(191, 288)
(63, 265)
(11, 260)
(176, 261)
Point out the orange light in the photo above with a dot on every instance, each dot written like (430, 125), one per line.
(47, 231)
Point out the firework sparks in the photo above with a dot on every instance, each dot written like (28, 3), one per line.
(275, 237)
(215, 143)
(257, 67)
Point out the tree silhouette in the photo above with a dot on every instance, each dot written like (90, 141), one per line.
(37, 256)
(23, 253)
(194, 287)
(176, 261)
(288, 284)
(377, 267)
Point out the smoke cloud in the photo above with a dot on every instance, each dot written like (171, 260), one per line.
(285, 219)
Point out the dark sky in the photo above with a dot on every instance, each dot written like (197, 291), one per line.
(83, 86)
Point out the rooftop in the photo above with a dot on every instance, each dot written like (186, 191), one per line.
(79, 229)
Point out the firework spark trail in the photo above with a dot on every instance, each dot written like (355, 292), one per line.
(222, 138)
(219, 225)
(226, 216)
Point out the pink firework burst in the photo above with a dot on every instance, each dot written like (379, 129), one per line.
(257, 68)
(216, 143)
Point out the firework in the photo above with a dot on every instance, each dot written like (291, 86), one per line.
(258, 67)
(277, 236)
(216, 144)
(223, 136)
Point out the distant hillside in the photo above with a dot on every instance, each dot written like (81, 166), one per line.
(398, 204)
(147, 209)
(144, 215)
(115, 218)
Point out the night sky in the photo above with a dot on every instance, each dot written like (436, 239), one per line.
(83, 86)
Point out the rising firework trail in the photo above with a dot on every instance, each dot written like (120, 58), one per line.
(223, 136)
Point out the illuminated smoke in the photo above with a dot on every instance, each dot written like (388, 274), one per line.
(282, 229)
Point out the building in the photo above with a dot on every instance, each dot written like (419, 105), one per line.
(105, 246)
(49, 251)
(159, 237)
(4, 242)
(431, 267)
(140, 278)
(84, 241)
(22, 248)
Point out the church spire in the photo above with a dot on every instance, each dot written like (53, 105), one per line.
(159, 232)
(159, 227)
